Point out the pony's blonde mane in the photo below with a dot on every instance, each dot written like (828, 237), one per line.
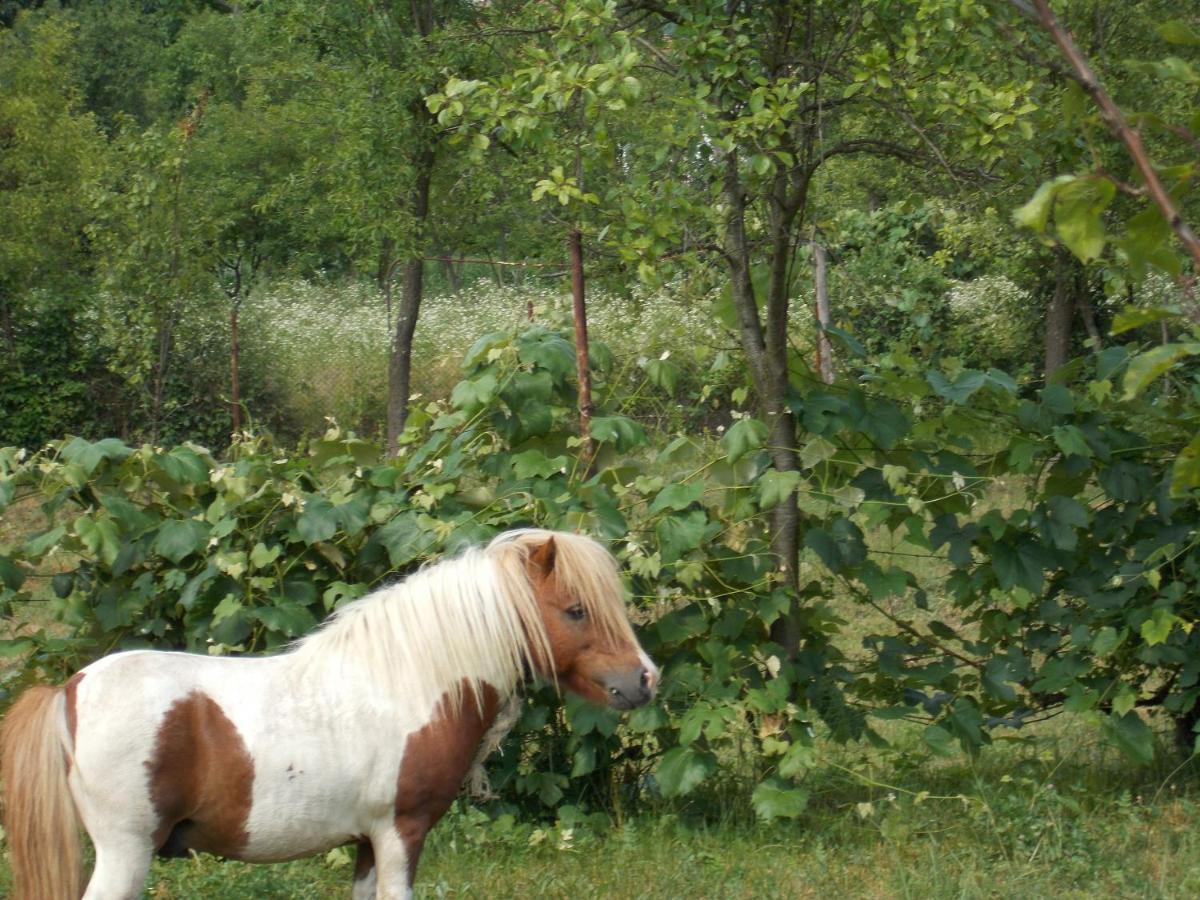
(469, 620)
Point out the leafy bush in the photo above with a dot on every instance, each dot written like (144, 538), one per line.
(1072, 588)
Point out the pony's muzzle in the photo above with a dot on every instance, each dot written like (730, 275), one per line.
(631, 688)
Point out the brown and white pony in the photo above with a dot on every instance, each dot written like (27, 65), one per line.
(363, 732)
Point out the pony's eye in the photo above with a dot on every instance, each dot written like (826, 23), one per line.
(577, 613)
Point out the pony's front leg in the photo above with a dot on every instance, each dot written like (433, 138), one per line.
(396, 853)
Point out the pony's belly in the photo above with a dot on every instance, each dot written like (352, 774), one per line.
(313, 812)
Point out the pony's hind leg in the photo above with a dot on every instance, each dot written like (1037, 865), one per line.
(122, 863)
(364, 871)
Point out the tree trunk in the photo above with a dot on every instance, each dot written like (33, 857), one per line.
(1087, 313)
(583, 372)
(400, 360)
(1059, 315)
(767, 356)
(386, 271)
(451, 274)
(235, 391)
(821, 284)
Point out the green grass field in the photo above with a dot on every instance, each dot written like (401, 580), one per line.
(1066, 817)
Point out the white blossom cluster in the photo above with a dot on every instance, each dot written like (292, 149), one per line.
(991, 312)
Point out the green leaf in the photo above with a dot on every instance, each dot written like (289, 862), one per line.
(262, 556)
(1070, 440)
(1036, 213)
(621, 431)
(88, 456)
(1129, 733)
(961, 389)
(100, 536)
(774, 487)
(682, 769)
(839, 547)
(1064, 515)
(12, 647)
(775, 799)
(133, 520)
(183, 466)
(11, 575)
(679, 533)
(38, 546)
(289, 619)
(474, 391)
(939, 740)
(535, 464)
(1018, 563)
(178, 538)
(1147, 366)
(404, 539)
(743, 436)
(677, 496)
(1078, 215)
(1157, 628)
(816, 451)
(318, 522)
(995, 679)
(1185, 471)
(1178, 31)
(1107, 640)
(1132, 317)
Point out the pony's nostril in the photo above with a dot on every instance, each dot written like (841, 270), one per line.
(646, 678)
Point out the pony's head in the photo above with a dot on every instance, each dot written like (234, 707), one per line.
(580, 635)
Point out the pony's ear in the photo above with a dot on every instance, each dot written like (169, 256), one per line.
(542, 559)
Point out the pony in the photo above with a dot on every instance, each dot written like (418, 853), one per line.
(362, 732)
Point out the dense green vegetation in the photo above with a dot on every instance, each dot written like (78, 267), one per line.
(284, 306)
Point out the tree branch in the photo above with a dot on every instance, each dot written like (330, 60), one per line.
(1082, 73)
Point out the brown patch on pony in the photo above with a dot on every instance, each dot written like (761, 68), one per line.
(435, 762)
(201, 777)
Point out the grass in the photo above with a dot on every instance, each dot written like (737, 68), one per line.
(1061, 816)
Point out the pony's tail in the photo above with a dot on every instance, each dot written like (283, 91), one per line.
(40, 820)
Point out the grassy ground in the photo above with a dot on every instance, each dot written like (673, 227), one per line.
(1065, 817)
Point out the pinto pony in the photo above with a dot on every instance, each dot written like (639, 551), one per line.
(363, 732)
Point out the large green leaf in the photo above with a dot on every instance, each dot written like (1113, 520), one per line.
(536, 464)
(1078, 215)
(318, 522)
(776, 799)
(1132, 736)
(743, 436)
(289, 619)
(774, 487)
(1146, 367)
(178, 538)
(1019, 563)
(682, 769)
(677, 496)
(100, 536)
(680, 532)
(88, 455)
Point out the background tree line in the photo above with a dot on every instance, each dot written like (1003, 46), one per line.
(999, 471)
